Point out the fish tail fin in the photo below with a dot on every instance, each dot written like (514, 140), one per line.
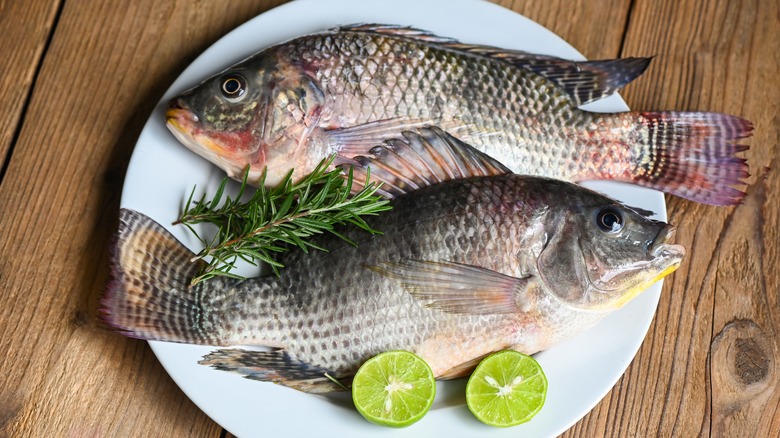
(690, 154)
(276, 366)
(148, 295)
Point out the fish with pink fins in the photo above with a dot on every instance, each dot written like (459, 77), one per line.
(348, 89)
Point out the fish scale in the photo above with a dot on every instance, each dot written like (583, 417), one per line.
(513, 107)
(404, 323)
(428, 78)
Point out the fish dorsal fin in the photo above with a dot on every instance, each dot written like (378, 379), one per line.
(420, 158)
(582, 81)
(396, 30)
(459, 288)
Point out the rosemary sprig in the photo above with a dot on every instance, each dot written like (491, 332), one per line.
(289, 213)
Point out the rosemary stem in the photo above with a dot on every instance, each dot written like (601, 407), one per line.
(250, 230)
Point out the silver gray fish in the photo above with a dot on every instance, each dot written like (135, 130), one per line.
(346, 90)
(483, 262)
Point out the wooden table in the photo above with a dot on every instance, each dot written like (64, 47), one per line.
(80, 77)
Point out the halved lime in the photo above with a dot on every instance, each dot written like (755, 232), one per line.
(394, 389)
(506, 389)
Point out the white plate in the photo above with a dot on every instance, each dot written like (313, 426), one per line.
(162, 172)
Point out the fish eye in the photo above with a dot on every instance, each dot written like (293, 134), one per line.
(233, 86)
(610, 220)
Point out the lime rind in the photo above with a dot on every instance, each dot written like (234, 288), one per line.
(394, 389)
(506, 389)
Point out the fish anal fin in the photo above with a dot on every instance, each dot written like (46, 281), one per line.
(420, 158)
(276, 366)
(459, 288)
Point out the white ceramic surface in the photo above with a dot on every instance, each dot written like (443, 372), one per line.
(162, 172)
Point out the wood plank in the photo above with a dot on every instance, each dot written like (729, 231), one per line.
(25, 27)
(108, 64)
(567, 19)
(708, 366)
(712, 351)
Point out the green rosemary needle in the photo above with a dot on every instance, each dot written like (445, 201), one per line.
(289, 213)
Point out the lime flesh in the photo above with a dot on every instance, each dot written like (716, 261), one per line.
(507, 388)
(394, 389)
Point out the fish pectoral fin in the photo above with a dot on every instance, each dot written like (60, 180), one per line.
(459, 288)
(583, 81)
(420, 158)
(358, 139)
(276, 366)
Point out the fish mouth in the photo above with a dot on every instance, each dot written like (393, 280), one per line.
(660, 246)
(179, 117)
(183, 124)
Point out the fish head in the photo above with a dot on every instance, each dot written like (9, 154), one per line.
(599, 254)
(254, 116)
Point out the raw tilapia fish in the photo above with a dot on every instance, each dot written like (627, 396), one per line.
(346, 90)
(464, 268)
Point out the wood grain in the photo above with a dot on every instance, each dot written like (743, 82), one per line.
(708, 366)
(24, 27)
(108, 64)
(568, 19)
